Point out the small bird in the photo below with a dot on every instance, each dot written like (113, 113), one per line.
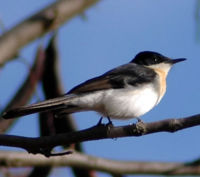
(128, 91)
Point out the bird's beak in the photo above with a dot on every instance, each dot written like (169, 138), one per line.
(177, 60)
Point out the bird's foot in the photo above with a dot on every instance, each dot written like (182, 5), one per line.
(100, 122)
(139, 120)
(109, 121)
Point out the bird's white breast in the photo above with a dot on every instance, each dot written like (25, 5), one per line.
(129, 103)
(123, 103)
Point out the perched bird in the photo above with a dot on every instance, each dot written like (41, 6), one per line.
(128, 91)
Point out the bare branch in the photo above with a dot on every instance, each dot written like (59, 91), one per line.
(27, 89)
(44, 145)
(19, 159)
(39, 24)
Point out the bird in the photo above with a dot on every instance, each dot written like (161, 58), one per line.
(127, 91)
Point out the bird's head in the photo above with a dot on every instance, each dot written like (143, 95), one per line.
(155, 60)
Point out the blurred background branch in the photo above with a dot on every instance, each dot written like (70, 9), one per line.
(78, 160)
(37, 25)
(197, 18)
(27, 88)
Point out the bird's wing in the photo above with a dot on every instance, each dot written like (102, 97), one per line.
(129, 74)
(120, 77)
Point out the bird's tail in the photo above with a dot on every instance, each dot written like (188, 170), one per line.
(48, 105)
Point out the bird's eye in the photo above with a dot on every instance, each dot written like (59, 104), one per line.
(155, 59)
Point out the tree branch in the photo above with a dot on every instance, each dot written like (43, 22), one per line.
(39, 24)
(19, 159)
(44, 145)
(24, 93)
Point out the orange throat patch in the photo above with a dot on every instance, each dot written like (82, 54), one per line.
(162, 82)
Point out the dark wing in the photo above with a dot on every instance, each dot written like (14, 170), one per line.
(119, 77)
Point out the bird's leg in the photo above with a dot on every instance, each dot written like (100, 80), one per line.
(109, 121)
(100, 121)
(139, 120)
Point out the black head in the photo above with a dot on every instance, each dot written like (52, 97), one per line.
(148, 58)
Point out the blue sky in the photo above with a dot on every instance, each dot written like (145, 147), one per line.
(112, 34)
